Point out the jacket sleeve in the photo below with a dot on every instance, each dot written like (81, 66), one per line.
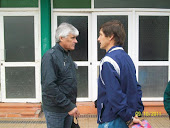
(116, 98)
(167, 98)
(140, 106)
(50, 88)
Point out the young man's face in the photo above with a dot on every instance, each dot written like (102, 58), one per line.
(103, 40)
(69, 42)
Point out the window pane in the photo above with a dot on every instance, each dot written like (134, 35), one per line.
(20, 82)
(71, 3)
(82, 81)
(153, 80)
(131, 3)
(101, 20)
(18, 3)
(19, 38)
(81, 23)
(153, 38)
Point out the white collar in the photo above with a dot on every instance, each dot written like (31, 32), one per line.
(116, 48)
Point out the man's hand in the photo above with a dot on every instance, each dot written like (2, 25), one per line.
(137, 120)
(74, 112)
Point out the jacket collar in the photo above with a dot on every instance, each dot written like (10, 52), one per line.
(115, 48)
(61, 48)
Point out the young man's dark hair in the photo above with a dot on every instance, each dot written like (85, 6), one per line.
(115, 28)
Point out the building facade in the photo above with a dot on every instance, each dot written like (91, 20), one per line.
(27, 29)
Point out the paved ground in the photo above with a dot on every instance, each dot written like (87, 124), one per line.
(84, 121)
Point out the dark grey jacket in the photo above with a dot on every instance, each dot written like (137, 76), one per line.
(58, 80)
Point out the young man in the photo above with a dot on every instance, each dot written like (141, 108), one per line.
(58, 79)
(119, 94)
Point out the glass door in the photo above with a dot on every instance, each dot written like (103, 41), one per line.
(82, 53)
(147, 43)
(87, 53)
(100, 18)
(20, 57)
(153, 56)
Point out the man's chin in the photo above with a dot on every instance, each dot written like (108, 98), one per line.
(101, 47)
(71, 49)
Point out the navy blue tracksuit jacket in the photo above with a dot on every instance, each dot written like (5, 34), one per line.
(119, 94)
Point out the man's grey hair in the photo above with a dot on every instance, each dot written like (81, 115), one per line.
(64, 29)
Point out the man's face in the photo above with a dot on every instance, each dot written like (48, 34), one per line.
(69, 42)
(103, 40)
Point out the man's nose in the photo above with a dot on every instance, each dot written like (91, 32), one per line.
(76, 41)
(98, 39)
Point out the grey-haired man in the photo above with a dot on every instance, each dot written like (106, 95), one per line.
(58, 79)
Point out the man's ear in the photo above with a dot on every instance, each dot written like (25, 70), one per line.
(112, 37)
(61, 38)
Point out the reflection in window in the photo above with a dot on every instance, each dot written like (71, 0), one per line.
(153, 80)
(82, 81)
(153, 38)
(20, 82)
(101, 20)
(81, 23)
(19, 38)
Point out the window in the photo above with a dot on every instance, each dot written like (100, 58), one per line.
(153, 38)
(101, 19)
(20, 82)
(153, 54)
(153, 80)
(19, 38)
(147, 43)
(81, 54)
(20, 57)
